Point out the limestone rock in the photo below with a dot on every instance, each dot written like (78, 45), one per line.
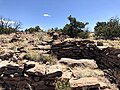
(37, 70)
(21, 56)
(44, 43)
(46, 47)
(88, 83)
(90, 63)
(56, 42)
(86, 72)
(15, 38)
(67, 75)
(54, 68)
(9, 64)
(7, 54)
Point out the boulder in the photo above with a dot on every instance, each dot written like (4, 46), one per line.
(8, 64)
(85, 83)
(55, 36)
(6, 55)
(67, 75)
(55, 68)
(21, 56)
(15, 38)
(90, 63)
(78, 72)
(45, 47)
(44, 43)
(56, 42)
(38, 70)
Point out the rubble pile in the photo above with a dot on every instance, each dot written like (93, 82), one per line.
(85, 65)
(14, 77)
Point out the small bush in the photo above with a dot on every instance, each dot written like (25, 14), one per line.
(83, 35)
(33, 29)
(108, 30)
(63, 84)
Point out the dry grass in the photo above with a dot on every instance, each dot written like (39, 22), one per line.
(87, 72)
(110, 43)
(2, 51)
(36, 56)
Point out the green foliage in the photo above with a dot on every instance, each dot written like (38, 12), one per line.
(33, 29)
(52, 30)
(108, 30)
(75, 28)
(63, 84)
(8, 26)
(83, 35)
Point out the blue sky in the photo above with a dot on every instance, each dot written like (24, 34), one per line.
(53, 13)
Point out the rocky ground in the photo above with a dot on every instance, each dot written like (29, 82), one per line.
(40, 62)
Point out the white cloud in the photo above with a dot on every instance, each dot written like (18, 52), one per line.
(46, 15)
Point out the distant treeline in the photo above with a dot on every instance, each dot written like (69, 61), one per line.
(103, 30)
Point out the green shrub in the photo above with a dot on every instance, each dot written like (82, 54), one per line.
(83, 35)
(33, 29)
(108, 30)
(63, 84)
